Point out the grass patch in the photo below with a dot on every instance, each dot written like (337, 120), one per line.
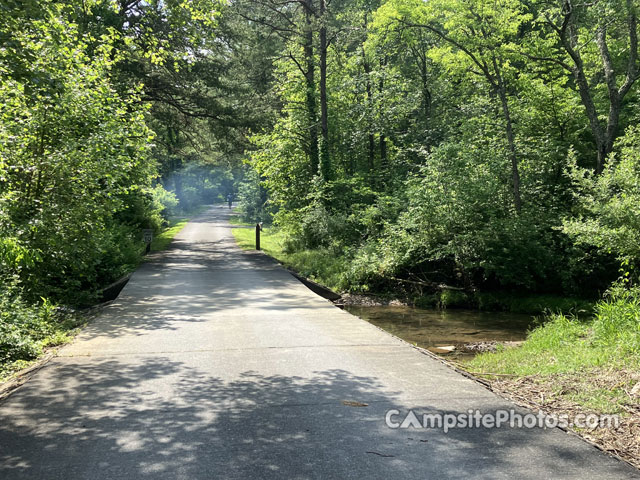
(162, 240)
(570, 366)
(236, 220)
(271, 241)
(320, 265)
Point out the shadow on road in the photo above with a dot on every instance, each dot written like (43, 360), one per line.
(112, 419)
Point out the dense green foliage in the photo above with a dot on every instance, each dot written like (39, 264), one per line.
(73, 155)
(326, 268)
(110, 123)
(482, 145)
(606, 214)
(94, 131)
(23, 328)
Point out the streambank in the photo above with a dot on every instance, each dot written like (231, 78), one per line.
(572, 365)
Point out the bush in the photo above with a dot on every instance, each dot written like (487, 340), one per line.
(316, 227)
(64, 205)
(607, 215)
(164, 201)
(253, 200)
(455, 299)
(23, 327)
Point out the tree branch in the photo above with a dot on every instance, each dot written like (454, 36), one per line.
(481, 65)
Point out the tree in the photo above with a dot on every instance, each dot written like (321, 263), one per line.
(597, 43)
(478, 38)
(74, 154)
(294, 22)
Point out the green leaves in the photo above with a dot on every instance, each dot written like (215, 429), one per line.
(607, 214)
(71, 149)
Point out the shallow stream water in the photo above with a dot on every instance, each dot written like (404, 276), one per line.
(433, 329)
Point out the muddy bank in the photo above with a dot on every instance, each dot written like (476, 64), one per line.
(355, 300)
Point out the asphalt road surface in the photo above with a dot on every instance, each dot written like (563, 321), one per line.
(217, 364)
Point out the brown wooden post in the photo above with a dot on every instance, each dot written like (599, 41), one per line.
(258, 228)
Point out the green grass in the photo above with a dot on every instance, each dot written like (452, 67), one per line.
(320, 265)
(162, 241)
(580, 349)
(236, 220)
(562, 345)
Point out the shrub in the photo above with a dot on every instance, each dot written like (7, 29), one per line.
(607, 215)
(164, 201)
(23, 327)
(253, 199)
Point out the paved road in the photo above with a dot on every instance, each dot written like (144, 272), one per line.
(215, 363)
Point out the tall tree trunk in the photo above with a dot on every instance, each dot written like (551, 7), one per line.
(617, 94)
(424, 77)
(501, 89)
(604, 137)
(311, 89)
(384, 162)
(325, 159)
(383, 139)
(173, 140)
(372, 144)
(587, 101)
(515, 174)
(372, 154)
(177, 180)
